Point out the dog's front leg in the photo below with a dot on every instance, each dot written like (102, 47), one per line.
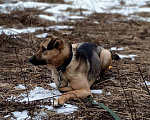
(71, 95)
(65, 89)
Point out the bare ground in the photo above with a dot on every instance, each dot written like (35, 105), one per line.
(129, 98)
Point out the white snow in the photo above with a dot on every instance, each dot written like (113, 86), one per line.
(66, 108)
(138, 18)
(42, 35)
(127, 56)
(6, 116)
(147, 82)
(115, 48)
(112, 78)
(46, 17)
(100, 6)
(109, 93)
(8, 7)
(38, 116)
(14, 31)
(40, 93)
(53, 85)
(21, 115)
(60, 27)
(20, 86)
(76, 17)
(58, 9)
(96, 91)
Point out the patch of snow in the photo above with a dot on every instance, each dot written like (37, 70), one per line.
(115, 48)
(53, 85)
(127, 56)
(42, 35)
(38, 116)
(112, 78)
(21, 115)
(145, 9)
(100, 6)
(147, 83)
(96, 91)
(138, 18)
(6, 116)
(58, 9)
(109, 93)
(46, 17)
(59, 27)
(76, 17)
(40, 93)
(66, 108)
(20, 86)
(8, 7)
(14, 31)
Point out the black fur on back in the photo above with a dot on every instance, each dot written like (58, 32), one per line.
(89, 52)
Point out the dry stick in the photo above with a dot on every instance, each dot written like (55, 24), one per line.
(6, 94)
(23, 77)
(143, 79)
(133, 106)
(125, 94)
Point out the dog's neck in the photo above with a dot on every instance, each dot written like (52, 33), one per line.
(63, 67)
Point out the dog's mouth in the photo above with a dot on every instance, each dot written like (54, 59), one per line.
(37, 62)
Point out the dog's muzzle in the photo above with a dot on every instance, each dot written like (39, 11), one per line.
(36, 61)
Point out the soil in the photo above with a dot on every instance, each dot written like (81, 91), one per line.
(130, 97)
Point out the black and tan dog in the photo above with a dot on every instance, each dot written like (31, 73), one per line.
(76, 66)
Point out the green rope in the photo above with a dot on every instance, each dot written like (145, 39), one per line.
(103, 106)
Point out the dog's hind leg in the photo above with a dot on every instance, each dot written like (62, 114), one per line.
(105, 58)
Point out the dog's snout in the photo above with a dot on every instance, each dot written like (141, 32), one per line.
(36, 61)
(32, 59)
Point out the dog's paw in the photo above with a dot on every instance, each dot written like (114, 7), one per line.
(56, 104)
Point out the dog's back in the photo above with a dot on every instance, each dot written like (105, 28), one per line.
(90, 53)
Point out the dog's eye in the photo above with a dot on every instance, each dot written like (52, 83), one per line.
(43, 49)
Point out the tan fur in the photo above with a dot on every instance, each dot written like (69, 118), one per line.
(105, 58)
(74, 80)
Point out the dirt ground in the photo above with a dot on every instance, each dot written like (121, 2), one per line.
(130, 97)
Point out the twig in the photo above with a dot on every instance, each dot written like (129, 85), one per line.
(23, 77)
(143, 79)
(6, 94)
(133, 105)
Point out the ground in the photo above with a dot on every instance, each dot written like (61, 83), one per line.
(130, 96)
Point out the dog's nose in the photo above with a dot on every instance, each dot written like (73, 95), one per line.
(32, 59)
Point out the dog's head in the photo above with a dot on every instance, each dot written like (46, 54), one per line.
(53, 52)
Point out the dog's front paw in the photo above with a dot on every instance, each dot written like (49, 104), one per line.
(57, 104)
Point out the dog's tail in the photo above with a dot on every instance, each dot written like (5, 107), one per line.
(114, 56)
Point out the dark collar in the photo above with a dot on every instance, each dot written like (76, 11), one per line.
(63, 67)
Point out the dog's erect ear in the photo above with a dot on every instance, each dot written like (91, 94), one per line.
(54, 44)
(57, 44)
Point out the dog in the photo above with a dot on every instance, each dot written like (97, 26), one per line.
(75, 66)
